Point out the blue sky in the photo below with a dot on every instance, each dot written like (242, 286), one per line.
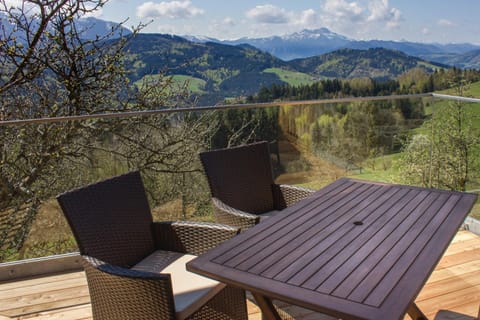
(443, 21)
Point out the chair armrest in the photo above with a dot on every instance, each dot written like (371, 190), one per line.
(121, 293)
(233, 217)
(289, 195)
(190, 237)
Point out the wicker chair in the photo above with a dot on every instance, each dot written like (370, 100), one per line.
(242, 186)
(136, 267)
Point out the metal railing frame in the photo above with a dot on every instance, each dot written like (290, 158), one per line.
(144, 113)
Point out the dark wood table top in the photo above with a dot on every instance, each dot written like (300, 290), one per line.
(354, 249)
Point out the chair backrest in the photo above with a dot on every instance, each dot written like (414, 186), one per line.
(241, 176)
(111, 219)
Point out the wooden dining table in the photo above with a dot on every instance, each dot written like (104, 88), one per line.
(352, 250)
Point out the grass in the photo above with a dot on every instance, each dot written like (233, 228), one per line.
(293, 78)
(194, 85)
(382, 169)
(392, 174)
(472, 90)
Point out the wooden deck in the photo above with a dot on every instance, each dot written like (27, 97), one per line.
(453, 286)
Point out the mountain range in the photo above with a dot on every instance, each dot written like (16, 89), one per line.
(89, 28)
(308, 43)
(217, 71)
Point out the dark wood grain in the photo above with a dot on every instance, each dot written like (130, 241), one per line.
(354, 250)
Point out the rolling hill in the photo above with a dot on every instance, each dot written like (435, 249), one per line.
(226, 70)
(378, 63)
(220, 71)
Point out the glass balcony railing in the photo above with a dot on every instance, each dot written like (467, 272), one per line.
(428, 139)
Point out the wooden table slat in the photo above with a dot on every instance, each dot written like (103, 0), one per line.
(241, 260)
(305, 239)
(299, 232)
(421, 234)
(353, 250)
(378, 246)
(342, 251)
(392, 255)
(307, 276)
(240, 243)
(437, 241)
(310, 250)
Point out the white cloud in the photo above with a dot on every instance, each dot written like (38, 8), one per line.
(222, 29)
(21, 6)
(261, 18)
(380, 11)
(341, 10)
(13, 3)
(445, 23)
(269, 14)
(168, 9)
(308, 19)
(352, 17)
(228, 21)
(96, 13)
(395, 18)
(359, 18)
(31, 9)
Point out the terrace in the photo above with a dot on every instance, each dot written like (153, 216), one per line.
(54, 286)
(453, 286)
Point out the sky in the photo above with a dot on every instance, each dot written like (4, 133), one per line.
(441, 21)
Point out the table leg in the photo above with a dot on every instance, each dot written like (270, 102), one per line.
(415, 313)
(267, 307)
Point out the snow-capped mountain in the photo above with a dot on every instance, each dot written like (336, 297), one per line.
(300, 44)
(92, 27)
(200, 39)
(309, 43)
(89, 28)
(317, 34)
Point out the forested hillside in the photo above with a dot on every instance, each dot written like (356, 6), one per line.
(349, 133)
(378, 63)
(226, 71)
(221, 71)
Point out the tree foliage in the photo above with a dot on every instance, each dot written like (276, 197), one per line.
(47, 69)
(447, 156)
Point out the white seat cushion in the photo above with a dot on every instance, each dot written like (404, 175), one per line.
(190, 291)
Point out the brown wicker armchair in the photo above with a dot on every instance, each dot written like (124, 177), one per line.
(242, 186)
(135, 267)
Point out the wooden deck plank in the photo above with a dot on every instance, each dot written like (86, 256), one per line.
(462, 312)
(459, 269)
(82, 312)
(451, 300)
(54, 285)
(467, 245)
(450, 260)
(448, 285)
(6, 285)
(464, 235)
(453, 286)
(49, 300)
